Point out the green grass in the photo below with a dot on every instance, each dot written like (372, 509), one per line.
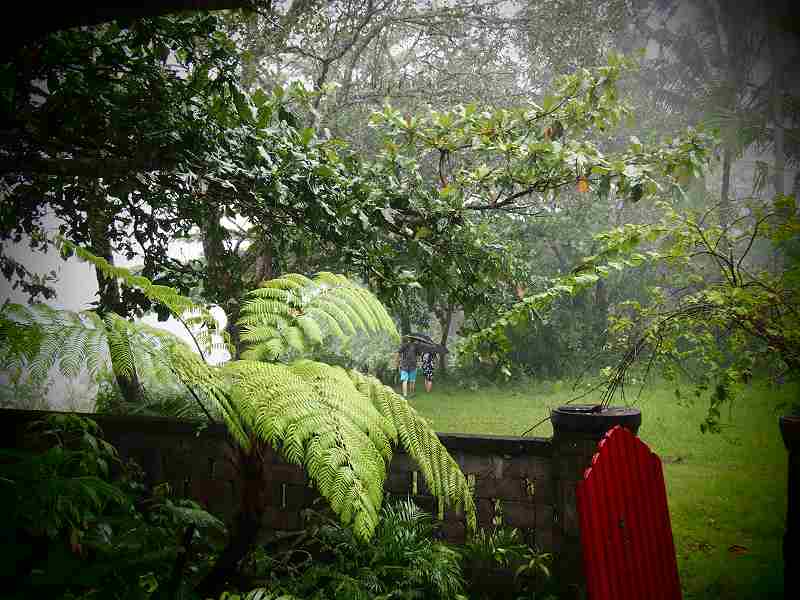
(725, 490)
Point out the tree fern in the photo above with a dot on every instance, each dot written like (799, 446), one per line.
(189, 312)
(441, 473)
(339, 425)
(37, 338)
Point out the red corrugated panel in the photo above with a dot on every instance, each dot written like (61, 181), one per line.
(626, 537)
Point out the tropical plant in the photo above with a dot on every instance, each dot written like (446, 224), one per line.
(520, 566)
(402, 560)
(22, 393)
(73, 529)
(38, 338)
(339, 425)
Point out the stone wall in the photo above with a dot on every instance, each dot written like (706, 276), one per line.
(516, 480)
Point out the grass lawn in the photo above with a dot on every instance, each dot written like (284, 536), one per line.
(727, 492)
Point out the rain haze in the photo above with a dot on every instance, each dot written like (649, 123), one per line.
(542, 202)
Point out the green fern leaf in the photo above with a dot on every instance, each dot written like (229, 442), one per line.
(441, 473)
(305, 313)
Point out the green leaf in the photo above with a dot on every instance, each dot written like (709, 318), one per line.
(586, 279)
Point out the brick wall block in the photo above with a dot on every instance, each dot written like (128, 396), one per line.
(506, 488)
(521, 515)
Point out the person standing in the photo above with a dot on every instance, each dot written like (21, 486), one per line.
(408, 367)
(427, 370)
(409, 351)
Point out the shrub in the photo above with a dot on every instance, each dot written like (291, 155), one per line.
(401, 561)
(71, 531)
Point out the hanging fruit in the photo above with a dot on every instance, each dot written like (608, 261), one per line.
(582, 184)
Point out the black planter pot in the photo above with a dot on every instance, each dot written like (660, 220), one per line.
(790, 431)
(588, 419)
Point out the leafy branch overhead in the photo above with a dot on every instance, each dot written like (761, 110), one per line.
(515, 159)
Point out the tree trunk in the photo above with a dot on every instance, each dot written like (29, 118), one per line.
(253, 482)
(562, 263)
(232, 312)
(217, 278)
(222, 286)
(109, 293)
(724, 201)
(776, 102)
(777, 113)
(405, 320)
(600, 307)
(264, 269)
(445, 318)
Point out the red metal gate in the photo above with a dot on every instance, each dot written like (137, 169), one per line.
(628, 551)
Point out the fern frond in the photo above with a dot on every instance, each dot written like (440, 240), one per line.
(119, 345)
(19, 342)
(344, 301)
(180, 306)
(331, 308)
(303, 314)
(315, 417)
(328, 324)
(293, 338)
(40, 337)
(442, 474)
(74, 341)
(269, 350)
(192, 515)
(258, 334)
(290, 281)
(214, 387)
(311, 330)
(271, 293)
(332, 280)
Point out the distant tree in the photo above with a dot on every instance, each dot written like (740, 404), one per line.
(730, 68)
(512, 165)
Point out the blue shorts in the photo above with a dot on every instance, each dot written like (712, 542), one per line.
(408, 375)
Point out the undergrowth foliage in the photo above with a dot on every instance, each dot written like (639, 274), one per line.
(403, 560)
(81, 523)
